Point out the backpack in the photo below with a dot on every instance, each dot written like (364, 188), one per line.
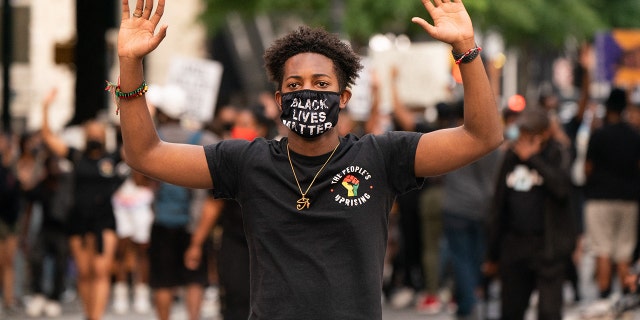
(173, 203)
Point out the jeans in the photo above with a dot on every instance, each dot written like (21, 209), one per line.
(467, 242)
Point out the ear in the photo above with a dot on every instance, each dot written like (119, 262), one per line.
(345, 96)
(278, 98)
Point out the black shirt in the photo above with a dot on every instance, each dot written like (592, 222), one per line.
(324, 262)
(614, 151)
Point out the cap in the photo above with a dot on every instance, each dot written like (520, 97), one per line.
(170, 100)
(533, 120)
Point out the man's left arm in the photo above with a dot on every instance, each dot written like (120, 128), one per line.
(444, 150)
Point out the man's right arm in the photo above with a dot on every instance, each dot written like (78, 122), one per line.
(179, 164)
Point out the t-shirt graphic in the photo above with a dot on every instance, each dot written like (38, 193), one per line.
(355, 182)
(523, 179)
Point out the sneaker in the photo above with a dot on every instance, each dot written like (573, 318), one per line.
(35, 306)
(120, 298)
(211, 303)
(429, 304)
(141, 299)
(452, 307)
(402, 298)
(52, 309)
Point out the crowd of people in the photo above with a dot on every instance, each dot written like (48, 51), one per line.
(322, 216)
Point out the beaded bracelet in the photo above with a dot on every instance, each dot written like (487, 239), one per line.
(118, 94)
(468, 56)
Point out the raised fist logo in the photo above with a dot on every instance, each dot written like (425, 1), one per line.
(351, 183)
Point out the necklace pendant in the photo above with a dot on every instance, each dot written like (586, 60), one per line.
(303, 203)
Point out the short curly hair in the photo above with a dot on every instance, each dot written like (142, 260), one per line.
(315, 40)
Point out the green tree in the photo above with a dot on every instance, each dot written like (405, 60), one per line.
(538, 29)
(523, 23)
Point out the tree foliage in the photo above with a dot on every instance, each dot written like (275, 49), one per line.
(523, 23)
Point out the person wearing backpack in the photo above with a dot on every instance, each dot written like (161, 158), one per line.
(176, 209)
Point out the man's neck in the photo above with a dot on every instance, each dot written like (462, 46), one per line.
(314, 147)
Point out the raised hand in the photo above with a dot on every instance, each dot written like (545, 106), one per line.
(49, 98)
(137, 36)
(451, 22)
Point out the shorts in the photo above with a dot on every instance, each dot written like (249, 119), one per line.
(166, 259)
(133, 213)
(611, 228)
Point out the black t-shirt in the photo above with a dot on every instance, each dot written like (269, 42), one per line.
(525, 200)
(9, 195)
(324, 262)
(614, 151)
(95, 181)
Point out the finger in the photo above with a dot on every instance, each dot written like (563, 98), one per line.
(139, 6)
(125, 10)
(148, 7)
(424, 24)
(428, 4)
(159, 12)
(157, 38)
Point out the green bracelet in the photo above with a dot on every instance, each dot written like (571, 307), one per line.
(118, 94)
(139, 91)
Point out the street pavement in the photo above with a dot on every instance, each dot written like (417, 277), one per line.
(589, 306)
(72, 311)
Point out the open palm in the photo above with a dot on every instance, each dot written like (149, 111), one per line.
(137, 36)
(451, 22)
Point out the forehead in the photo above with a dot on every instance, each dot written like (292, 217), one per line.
(94, 129)
(245, 116)
(309, 63)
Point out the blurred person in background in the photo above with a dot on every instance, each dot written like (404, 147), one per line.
(611, 190)
(531, 229)
(54, 196)
(233, 260)
(93, 238)
(132, 208)
(177, 212)
(9, 212)
(467, 195)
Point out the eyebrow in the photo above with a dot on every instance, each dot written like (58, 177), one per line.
(315, 75)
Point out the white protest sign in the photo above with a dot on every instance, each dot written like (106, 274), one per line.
(360, 103)
(200, 78)
(424, 73)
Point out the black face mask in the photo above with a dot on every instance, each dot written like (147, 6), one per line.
(310, 113)
(227, 126)
(94, 145)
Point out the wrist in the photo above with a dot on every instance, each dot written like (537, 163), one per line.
(463, 45)
(128, 62)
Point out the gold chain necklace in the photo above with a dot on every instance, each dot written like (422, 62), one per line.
(304, 203)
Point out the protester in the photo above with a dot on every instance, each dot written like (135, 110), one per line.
(611, 191)
(54, 196)
(532, 230)
(233, 260)
(315, 205)
(177, 210)
(408, 273)
(467, 194)
(132, 208)
(9, 212)
(92, 234)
